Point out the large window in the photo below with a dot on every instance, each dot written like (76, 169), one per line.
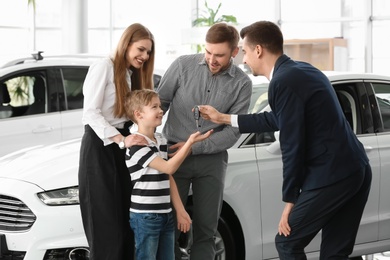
(95, 26)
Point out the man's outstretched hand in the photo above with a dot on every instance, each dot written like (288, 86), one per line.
(210, 113)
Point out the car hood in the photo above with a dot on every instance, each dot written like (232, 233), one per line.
(49, 167)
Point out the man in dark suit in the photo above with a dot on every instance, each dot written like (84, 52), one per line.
(326, 173)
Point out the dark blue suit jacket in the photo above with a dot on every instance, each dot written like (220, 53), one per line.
(318, 145)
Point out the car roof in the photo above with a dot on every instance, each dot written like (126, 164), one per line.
(343, 75)
(37, 60)
(333, 76)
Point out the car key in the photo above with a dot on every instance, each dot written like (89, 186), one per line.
(196, 116)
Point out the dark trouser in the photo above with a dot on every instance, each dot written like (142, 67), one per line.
(104, 191)
(206, 173)
(336, 210)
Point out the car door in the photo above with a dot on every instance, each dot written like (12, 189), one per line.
(28, 114)
(71, 100)
(270, 168)
(380, 101)
(355, 103)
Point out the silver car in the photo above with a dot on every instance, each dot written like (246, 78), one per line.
(40, 216)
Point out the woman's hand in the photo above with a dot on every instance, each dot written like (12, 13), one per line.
(131, 140)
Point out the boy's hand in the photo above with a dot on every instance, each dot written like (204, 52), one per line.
(183, 221)
(197, 136)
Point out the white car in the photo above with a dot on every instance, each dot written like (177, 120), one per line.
(40, 215)
(41, 100)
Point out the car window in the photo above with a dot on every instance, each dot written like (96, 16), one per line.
(350, 95)
(73, 79)
(258, 103)
(259, 98)
(382, 93)
(355, 105)
(346, 94)
(348, 105)
(5, 99)
(22, 95)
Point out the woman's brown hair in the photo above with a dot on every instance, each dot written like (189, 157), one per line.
(140, 78)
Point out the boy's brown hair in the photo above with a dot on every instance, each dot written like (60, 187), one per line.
(136, 100)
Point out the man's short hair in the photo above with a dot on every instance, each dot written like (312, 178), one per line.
(223, 32)
(264, 33)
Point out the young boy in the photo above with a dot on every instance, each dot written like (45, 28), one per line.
(150, 211)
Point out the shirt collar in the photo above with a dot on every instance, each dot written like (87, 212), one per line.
(158, 136)
(271, 74)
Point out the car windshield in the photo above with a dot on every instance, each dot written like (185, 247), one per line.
(259, 98)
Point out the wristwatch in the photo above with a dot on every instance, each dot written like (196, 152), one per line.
(122, 143)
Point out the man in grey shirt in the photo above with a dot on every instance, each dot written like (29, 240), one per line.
(209, 78)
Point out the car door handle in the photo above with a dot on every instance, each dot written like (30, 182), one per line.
(42, 129)
(367, 148)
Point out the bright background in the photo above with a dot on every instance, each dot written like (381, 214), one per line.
(94, 26)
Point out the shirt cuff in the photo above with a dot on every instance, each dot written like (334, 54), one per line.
(234, 120)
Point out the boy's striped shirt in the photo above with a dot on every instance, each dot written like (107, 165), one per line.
(151, 189)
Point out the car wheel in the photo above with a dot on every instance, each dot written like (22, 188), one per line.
(224, 241)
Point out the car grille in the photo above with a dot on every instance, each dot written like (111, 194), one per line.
(15, 215)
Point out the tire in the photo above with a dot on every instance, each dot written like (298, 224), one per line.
(226, 248)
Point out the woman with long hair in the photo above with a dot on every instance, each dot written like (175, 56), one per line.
(104, 181)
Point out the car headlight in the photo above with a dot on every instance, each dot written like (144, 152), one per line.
(65, 196)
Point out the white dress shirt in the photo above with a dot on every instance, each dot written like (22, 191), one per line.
(99, 100)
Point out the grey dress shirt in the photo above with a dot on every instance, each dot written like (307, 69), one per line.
(189, 82)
